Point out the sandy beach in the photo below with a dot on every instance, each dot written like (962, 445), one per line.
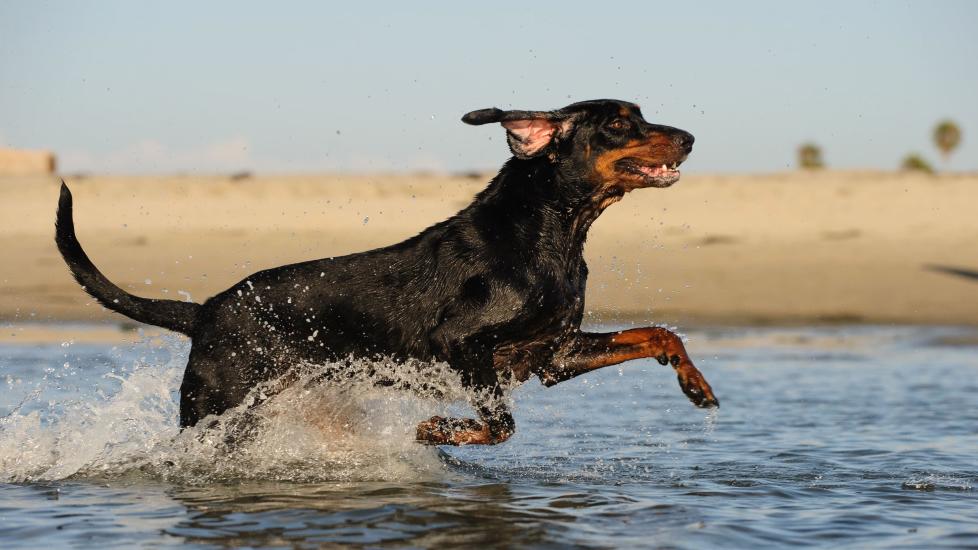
(775, 248)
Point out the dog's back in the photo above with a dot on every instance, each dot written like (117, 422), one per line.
(386, 302)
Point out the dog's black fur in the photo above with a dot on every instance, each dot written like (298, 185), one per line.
(497, 290)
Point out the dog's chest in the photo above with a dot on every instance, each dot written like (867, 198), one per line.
(552, 313)
(554, 294)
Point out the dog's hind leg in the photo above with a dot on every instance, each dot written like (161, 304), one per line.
(589, 351)
(202, 391)
(213, 384)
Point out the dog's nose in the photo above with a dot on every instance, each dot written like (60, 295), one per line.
(684, 140)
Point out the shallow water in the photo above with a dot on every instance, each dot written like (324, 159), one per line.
(842, 436)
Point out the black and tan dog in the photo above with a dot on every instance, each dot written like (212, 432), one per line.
(496, 291)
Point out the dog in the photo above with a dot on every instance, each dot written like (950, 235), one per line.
(496, 291)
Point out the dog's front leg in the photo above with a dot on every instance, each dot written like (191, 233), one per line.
(586, 352)
(478, 375)
(492, 429)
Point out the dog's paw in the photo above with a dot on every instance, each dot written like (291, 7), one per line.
(433, 431)
(439, 430)
(695, 386)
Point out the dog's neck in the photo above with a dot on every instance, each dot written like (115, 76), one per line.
(549, 210)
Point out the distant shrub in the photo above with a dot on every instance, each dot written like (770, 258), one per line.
(470, 174)
(810, 157)
(916, 163)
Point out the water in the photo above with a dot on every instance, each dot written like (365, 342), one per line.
(835, 436)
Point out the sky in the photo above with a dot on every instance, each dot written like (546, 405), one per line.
(221, 86)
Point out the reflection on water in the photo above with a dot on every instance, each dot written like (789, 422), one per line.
(364, 513)
(856, 436)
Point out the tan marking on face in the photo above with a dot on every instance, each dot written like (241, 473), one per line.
(654, 151)
(604, 163)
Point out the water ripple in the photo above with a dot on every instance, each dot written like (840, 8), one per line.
(841, 436)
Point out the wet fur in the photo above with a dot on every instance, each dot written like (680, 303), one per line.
(497, 290)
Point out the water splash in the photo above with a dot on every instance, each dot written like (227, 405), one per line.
(938, 482)
(350, 429)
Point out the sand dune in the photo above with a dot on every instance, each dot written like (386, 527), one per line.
(796, 247)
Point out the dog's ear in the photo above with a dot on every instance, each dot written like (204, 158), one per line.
(529, 133)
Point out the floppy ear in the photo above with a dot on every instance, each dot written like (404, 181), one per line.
(529, 133)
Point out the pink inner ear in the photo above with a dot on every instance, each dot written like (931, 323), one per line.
(533, 134)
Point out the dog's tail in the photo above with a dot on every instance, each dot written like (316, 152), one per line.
(169, 314)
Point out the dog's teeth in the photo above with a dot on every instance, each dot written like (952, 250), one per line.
(664, 167)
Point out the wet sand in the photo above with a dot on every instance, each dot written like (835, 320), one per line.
(745, 249)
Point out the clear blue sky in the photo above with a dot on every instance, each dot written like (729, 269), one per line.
(299, 86)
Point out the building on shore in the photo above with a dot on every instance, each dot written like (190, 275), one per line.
(23, 162)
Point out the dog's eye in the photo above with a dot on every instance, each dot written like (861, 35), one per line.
(618, 124)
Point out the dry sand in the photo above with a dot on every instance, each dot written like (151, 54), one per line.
(780, 248)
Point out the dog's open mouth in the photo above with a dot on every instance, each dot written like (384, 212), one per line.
(652, 175)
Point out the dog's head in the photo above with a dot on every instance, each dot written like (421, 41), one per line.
(606, 142)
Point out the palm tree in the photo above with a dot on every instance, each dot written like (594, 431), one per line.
(916, 163)
(810, 156)
(947, 136)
